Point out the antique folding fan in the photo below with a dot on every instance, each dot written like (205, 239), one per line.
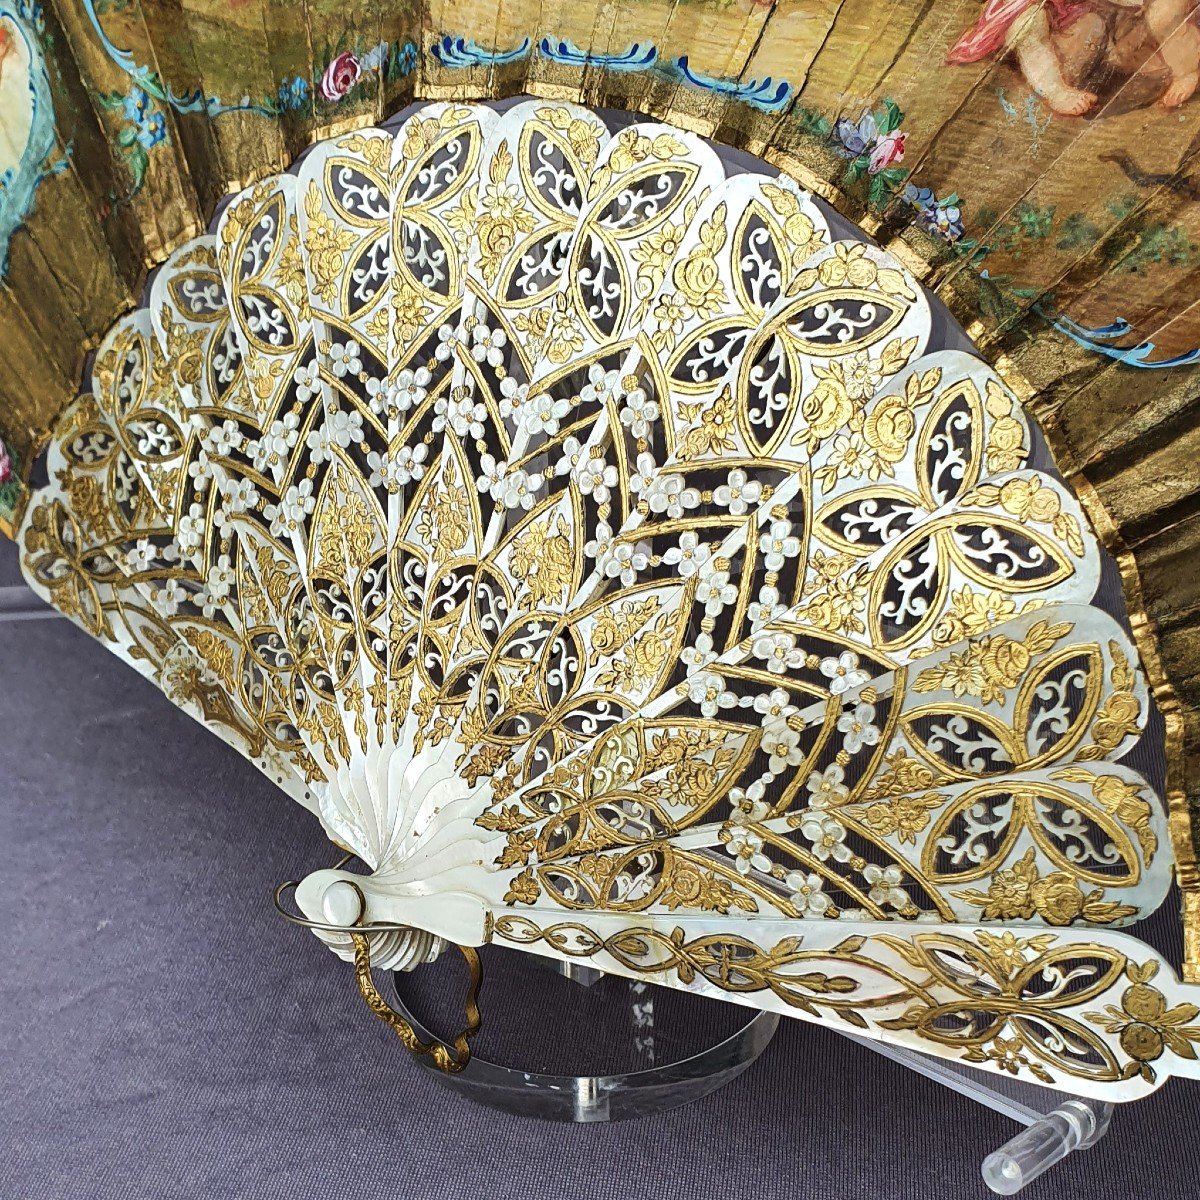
(595, 533)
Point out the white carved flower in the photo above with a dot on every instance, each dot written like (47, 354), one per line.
(410, 389)
(595, 477)
(765, 609)
(487, 345)
(826, 788)
(494, 470)
(572, 456)
(826, 835)
(345, 358)
(240, 495)
(667, 494)
(639, 413)
(344, 427)
(318, 444)
(398, 468)
(223, 523)
(259, 453)
(223, 439)
(707, 689)
(307, 380)
(297, 503)
(190, 531)
(782, 743)
(461, 412)
(886, 886)
(748, 804)
(408, 463)
(807, 894)
(778, 545)
(714, 590)
(141, 555)
(518, 489)
(200, 470)
(746, 847)
(699, 655)
(779, 651)
(642, 476)
(377, 394)
(448, 340)
(513, 396)
(689, 556)
(859, 728)
(283, 435)
(219, 580)
(738, 493)
(625, 561)
(543, 414)
(774, 705)
(601, 385)
(843, 673)
(599, 547)
(168, 597)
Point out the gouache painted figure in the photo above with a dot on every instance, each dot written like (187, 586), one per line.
(15, 100)
(1063, 46)
(26, 121)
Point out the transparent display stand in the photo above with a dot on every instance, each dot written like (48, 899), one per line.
(658, 1072)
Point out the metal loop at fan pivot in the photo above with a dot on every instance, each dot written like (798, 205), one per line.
(449, 1057)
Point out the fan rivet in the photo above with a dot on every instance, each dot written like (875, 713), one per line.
(342, 903)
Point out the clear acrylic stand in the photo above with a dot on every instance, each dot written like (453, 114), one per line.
(1055, 1123)
(655, 1087)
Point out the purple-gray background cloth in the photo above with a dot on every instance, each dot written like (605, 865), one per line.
(163, 1034)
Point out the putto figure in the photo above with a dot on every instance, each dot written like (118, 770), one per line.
(1063, 46)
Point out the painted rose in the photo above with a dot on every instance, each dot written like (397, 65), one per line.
(340, 76)
(6, 471)
(888, 150)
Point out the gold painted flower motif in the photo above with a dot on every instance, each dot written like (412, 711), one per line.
(991, 666)
(1020, 892)
(563, 334)
(1145, 1025)
(905, 816)
(971, 613)
(326, 243)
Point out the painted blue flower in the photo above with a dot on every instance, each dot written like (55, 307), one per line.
(292, 93)
(137, 105)
(943, 218)
(152, 131)
(375, 58)
(855, 139)
(407, 58)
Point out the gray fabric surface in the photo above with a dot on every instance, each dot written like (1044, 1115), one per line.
(165, 1035)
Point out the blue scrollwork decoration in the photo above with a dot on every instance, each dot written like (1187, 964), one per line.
(770, 95)
(465, 52)
(641, 56)
(1100, 339)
